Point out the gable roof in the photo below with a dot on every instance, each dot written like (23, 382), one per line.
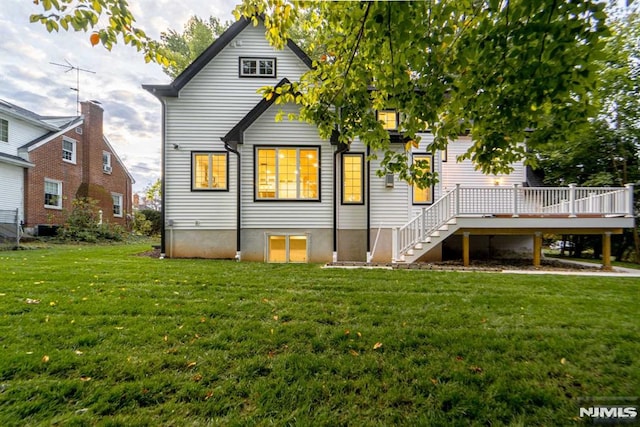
(236, 135)
(38, 142)
(173, 88)
(49, 123)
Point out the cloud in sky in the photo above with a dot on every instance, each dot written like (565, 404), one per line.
(132, 115)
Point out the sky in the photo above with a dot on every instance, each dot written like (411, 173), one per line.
(132, 116)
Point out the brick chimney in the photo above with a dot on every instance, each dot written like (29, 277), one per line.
(92, 140)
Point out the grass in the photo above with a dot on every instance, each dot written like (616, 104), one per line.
(118, 339)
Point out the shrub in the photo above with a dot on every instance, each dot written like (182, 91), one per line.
(155, 218)
(82, 224)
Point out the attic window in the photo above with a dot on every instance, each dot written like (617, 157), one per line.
(257, 67)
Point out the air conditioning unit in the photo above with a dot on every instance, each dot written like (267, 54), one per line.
(106, 168)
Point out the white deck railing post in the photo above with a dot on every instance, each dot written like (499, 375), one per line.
(572, 200)
(515, 201)
(457, 199)
(423, 232)
(629, 201)
(394, 244)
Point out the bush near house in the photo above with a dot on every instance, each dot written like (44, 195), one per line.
(83, 224)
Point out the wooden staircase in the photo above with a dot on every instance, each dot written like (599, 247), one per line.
(516, 204)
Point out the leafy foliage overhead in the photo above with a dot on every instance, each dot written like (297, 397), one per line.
(501, 69)
(505, 70)
(183, 49)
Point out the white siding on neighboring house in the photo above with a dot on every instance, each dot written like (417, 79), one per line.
(208, 107)
(276, 213)
(465, 174)
(12, 188)
(20, 133)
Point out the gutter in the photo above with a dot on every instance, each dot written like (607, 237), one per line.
(368, 182)
(238, 202)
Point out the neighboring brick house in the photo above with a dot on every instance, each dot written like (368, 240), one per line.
(69, 157)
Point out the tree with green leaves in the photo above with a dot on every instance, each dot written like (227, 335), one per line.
(494, 68)
(607, 151)
(503, 70)
(183, 48)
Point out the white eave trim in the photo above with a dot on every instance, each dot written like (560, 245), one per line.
(72, 125)
(16, 161)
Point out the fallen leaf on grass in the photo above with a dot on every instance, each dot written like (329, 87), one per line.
(434, 381)
(45, 359)
(563, 361)
(197, 377)
(32, 301)
(377, 345)
(191, 364)
(85, 379)
(354, 353)
(52, 303)
(209, 395)
(475, 369)
(347, 332)
(78, 352)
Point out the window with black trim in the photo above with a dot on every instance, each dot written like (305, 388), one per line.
(352, 178)
(389, 119)
(423, 196)
(287, 173)
(209, 171)
(257, 67)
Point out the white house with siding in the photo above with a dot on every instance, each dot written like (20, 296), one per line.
(239, 184)
(17, 128)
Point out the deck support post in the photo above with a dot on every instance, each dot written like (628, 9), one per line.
(606, 251)
(537, 248)
(465, 249)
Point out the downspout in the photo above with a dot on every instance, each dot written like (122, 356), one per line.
(341, 149)
(162, 182)
(368, 181)
(238, 203)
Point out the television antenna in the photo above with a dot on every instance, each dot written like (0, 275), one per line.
(71, 67)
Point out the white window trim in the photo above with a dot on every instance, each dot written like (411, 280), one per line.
(74, 150)
(257, 73)
(7, 122)
(106, 167)
(121, 200)
(59, 184)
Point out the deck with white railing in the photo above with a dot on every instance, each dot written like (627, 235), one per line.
(513, 208)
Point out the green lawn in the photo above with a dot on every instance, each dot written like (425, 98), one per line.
(119, 339)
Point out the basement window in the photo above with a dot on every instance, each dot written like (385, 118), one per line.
(287, 248)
